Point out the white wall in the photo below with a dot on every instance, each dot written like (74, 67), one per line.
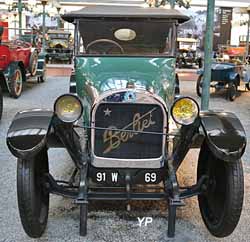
(237, 29)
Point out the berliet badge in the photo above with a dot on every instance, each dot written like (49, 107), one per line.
(107, 112)
(140, 122)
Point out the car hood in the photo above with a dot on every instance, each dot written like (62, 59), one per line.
(114, 73)
(222, 66)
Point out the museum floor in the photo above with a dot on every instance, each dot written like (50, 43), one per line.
(107, 225)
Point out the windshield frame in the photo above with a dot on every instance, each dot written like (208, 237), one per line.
(172, 42)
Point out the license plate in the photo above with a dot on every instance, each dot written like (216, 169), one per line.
(118, 177)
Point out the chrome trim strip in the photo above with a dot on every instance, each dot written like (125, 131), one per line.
(33, 110)
(127, 163)
(26, 132)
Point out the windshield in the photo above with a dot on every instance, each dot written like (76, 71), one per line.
(188, 45)
(126, 37)
(58, 36)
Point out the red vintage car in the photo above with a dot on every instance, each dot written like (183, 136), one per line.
(18, 60)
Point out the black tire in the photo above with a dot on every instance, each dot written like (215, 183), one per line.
(248, 86)
(33, 200)
(41, 65)
(200, 63)
(199, 85)
(42, 77)
(33, 63)
(1, 103)
(232, 91)
(16, 83)
(83, 219)
(221, 204)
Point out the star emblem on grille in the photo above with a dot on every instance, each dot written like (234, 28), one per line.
(107, 112)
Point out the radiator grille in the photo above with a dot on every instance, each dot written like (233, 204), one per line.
(128, 145)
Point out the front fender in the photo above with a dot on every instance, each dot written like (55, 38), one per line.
(224, 135)
(28, 131)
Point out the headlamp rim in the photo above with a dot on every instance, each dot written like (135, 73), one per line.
(178, 99)
(71, 95)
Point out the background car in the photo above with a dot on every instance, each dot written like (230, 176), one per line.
(224, 75)
(125, 130)
(18, 61)
(188, 53)
(59, 47)
(227, 71)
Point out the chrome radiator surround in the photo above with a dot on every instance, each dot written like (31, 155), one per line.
(144, 98)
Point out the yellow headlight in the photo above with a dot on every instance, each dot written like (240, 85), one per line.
(185, 110)
(68, 108)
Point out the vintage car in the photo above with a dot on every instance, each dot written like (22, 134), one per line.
(124, 129)
(188, 53)
(223, 75)
(18, 61)
(59, 47)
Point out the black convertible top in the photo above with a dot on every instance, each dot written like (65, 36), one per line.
(125, 12)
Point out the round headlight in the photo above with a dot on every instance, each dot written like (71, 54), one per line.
(185, 110)
(68, 108)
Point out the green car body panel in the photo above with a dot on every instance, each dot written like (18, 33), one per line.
(113, 73)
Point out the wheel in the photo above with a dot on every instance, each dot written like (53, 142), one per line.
(199, 85)
(1, 102)
(248, 86)
(200, 63)
(33, 200)
(83, 218)
(41, 66)
(16, 83)
(232, 91)
(221, 203)
(33, 63)
(42, 77)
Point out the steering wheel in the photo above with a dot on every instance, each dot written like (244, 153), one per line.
(103, 46)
